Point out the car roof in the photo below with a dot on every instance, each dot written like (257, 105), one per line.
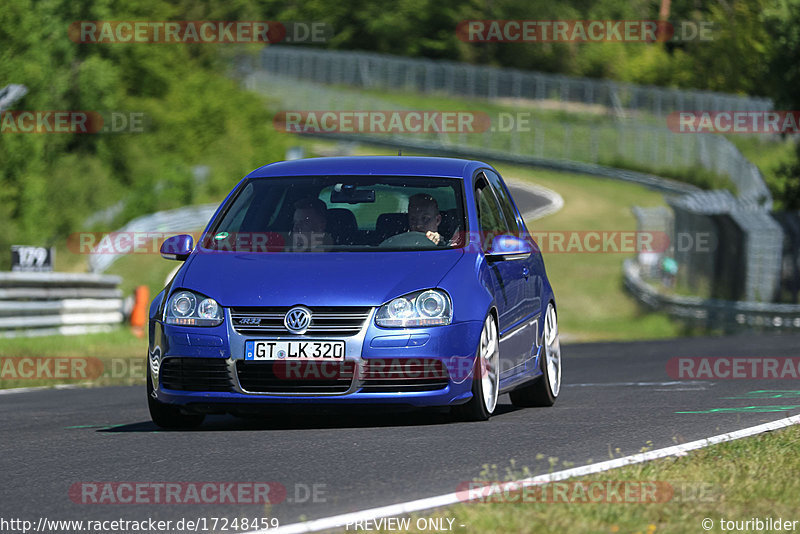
(368, 165)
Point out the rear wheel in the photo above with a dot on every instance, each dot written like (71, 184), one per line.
(544, 391)
(168, 416)
(485, 377)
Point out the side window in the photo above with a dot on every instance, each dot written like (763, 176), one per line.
(490, 218)
(505, 201)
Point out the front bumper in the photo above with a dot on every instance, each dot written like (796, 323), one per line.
(372, 348)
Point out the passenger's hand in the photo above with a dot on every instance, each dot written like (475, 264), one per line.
(433, 236)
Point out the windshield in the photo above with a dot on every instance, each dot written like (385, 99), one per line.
(342, 213)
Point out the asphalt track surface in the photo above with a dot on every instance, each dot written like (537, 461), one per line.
(526, 200)
(614, 396)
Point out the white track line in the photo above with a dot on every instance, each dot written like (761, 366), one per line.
(339, 521)
(554, 201)
(640, 384)
(9, 391)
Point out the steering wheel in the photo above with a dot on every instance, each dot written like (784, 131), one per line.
(408, 239)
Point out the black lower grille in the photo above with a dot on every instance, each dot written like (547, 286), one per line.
(295, 377)
(195, 374)
(401, 375)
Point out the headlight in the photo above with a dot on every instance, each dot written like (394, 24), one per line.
(423, 308)
(191, 309)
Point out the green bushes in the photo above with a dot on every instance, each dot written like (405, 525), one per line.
(194, 115)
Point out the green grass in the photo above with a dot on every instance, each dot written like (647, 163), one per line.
(573, 114)
(739, 480)
(592, 302)
(766, 154)
(119, 354)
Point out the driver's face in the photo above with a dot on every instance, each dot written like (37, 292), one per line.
(423, 218)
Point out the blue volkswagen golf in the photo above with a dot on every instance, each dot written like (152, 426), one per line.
(361, 280)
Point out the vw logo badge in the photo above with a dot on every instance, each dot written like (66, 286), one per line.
(297, 320)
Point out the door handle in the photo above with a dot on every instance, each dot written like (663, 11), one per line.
(525, 272)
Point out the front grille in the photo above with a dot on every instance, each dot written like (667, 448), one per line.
(325, 320)
(403, 375)
(195, 374)
(295, 377)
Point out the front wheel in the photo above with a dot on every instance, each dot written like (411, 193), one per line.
(544, 391)
(485, 377)
(167, 416)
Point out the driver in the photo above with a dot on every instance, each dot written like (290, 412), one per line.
(423, 218)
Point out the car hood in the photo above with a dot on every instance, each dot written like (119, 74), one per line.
(314, 279)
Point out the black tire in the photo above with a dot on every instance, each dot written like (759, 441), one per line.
(169, 417)
(538, 393)
(475, 409)
(535, 394)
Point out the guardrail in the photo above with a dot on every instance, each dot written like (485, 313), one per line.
(174, 221)
(318, 80)
(527, 149)
(10, 94)
(38, 304)
(713, 314)
(369, 70)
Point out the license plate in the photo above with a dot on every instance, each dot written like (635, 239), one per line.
(307, 350)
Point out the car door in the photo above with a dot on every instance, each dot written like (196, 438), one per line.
(532, 270)
(533, 286)
(508, 280)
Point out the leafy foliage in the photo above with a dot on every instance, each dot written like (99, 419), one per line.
(194, 115)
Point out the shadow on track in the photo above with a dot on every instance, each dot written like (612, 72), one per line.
(306, 419)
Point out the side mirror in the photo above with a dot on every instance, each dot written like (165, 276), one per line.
(177, 247)
(508, 247)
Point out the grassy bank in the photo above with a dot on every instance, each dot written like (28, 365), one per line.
(735, 481)
(104, 359)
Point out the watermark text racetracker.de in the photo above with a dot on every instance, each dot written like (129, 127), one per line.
(47, 368)
(70, 368)
(381, 121)
(71, 122)
(735, 122)
(199, 31)
(546, 242)
(583, 31)
(202, 492)
(587, 492)
(734, 368)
